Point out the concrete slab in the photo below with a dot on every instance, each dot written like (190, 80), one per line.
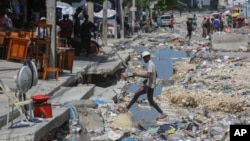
(36, 132)
(245, 55)
(109, 93)
(101, 64)
(67, 94)
(228, 42)
(103, 94)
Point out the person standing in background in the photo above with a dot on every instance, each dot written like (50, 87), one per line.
(76, 41)
(216, 24)
(189, 29)
(172, 21)
(7, 19)
(158, 21)
(208, 27)
(194, 22)
(66, 29)
(85, 32)
(204, 27)
(229, 22)
(212, 26)
(221, 25)
(41, 32)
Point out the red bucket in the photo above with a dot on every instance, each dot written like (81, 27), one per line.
(42, 110)
(40, 98)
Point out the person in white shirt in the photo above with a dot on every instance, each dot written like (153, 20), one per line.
(7, 21)
(40, 31)
(149, 85)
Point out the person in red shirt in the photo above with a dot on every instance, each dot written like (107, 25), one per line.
(172, 21)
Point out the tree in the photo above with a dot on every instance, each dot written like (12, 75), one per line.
(166, 4)
(140, 4)
(71, 1)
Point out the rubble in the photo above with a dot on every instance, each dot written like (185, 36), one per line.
(213, 88)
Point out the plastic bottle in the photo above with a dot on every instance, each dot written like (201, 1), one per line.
(38, 65)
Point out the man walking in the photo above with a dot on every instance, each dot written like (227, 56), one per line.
(189, 29)
(86, 29)
(149, 85)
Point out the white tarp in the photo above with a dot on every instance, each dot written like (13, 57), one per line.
(66, 8)
(110, 13)
(227, 12)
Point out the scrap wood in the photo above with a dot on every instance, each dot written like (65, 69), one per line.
(239, 59)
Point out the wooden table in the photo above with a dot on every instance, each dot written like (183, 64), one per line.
(65, 58)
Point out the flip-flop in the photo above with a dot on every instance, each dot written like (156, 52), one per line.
(123, 109)
(162, 117)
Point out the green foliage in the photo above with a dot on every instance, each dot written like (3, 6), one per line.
(166, 4)
(71, 1)
(96, 1)
(140, 4)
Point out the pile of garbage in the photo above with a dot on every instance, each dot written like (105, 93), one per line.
(191, 98)
(218, 82)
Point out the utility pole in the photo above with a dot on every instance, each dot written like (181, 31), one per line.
(90, 11)
(51, 19)
(133, 16)
(121, 19)
(247, 14)
(104, 23)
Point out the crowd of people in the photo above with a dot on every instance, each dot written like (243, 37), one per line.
(215, 23)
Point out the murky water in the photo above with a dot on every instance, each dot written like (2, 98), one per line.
(164, 59)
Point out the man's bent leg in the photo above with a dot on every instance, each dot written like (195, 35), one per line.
(138, 93)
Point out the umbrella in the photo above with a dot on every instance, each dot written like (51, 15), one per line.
(235, 14)
(110, 12)
(215, 14)
(228, 13)
(66, 8)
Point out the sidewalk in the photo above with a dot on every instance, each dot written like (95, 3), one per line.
(94, 65)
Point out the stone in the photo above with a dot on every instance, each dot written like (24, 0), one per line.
(217, 131)
(218, 138)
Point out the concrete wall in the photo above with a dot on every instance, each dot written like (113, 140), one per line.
(229, 42)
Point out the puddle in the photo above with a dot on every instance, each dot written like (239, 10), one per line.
(164, 59)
